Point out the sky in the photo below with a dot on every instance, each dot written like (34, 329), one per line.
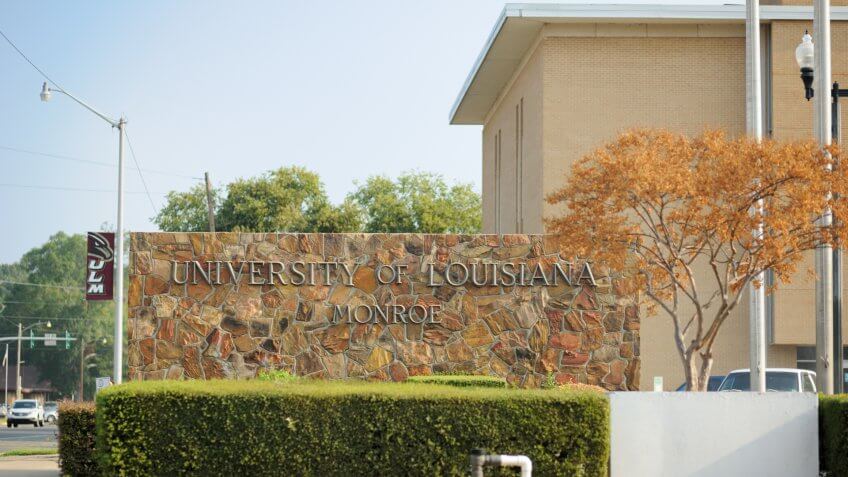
(347, 89)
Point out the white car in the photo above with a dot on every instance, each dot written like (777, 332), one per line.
(25, 411)
(777, 380)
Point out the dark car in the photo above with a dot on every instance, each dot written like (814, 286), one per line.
(715, 382)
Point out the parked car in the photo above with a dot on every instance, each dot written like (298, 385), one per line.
(25, 411)
(51, 412)
(777, 380)
(712, 385)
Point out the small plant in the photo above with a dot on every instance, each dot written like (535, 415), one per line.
(550, 382)
(277, 376)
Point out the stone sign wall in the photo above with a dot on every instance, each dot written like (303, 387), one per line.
(377, 306)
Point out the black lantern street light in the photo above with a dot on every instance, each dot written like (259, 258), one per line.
(805, 55)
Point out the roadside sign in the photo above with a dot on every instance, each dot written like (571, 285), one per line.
(101, 383)
(658, 384)
(49, 339)
(99, 263)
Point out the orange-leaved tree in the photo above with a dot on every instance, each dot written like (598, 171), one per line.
(676, 216)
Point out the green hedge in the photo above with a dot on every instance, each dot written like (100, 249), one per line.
(833, 435)
(460, 380)
(76, 438)
(343, 428)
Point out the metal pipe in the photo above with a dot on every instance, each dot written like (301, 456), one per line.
(479, 459)
(521, 461)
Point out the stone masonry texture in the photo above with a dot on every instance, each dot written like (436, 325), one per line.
(527, 334)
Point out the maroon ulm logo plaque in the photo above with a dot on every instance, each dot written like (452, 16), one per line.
(99, 266)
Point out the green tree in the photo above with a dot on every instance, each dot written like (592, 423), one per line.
(418, 202)
(289, 199)
(59, 267)
(186, 211)
(293, 199)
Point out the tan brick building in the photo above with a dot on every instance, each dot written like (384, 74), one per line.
(555, 81)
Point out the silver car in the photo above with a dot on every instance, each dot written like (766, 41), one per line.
(51, 412)
(25, 411)
(777, 380)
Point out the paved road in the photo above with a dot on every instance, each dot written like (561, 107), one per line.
(27, 437)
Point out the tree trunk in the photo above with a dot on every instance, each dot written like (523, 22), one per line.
(697, 377)
(706, 367)
(691, 370)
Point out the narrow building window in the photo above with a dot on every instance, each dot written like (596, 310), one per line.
(519, 166)
(498, 182)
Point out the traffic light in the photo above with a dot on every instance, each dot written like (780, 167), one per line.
(67, 340)
(31, 340)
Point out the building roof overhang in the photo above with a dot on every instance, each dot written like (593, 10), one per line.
(519, 25)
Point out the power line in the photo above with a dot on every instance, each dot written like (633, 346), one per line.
(67, 287)
(92, 162)
(71, 189)
(28, 60)
(143, 182)
(58, 303)
(132, 152)
(59, 318)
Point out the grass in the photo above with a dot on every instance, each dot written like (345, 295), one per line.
(23, 452)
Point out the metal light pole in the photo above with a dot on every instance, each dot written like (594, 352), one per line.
(824, 253)
(754, 100)
(6, 381)
(805, 55)
(18, 393)
(117, 370)
(838, 376)
(118, 359)
(18, 390)
(815, 68)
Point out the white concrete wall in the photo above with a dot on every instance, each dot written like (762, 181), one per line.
(710, 434)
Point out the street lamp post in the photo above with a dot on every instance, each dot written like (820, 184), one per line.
(805, 56)
(18, 391)
(120, 124)
(83, 358)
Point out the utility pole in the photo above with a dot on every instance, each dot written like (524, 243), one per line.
(6, 381)
(754, 100)
(210, 208)
(18, 393)
(824, 252)
(82, 367)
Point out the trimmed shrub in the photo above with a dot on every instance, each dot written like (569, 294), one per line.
(76, 438)
(460, 380)
(343, 428)
(833, 435)
(278, 376)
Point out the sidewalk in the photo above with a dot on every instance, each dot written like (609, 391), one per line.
(29, 466)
